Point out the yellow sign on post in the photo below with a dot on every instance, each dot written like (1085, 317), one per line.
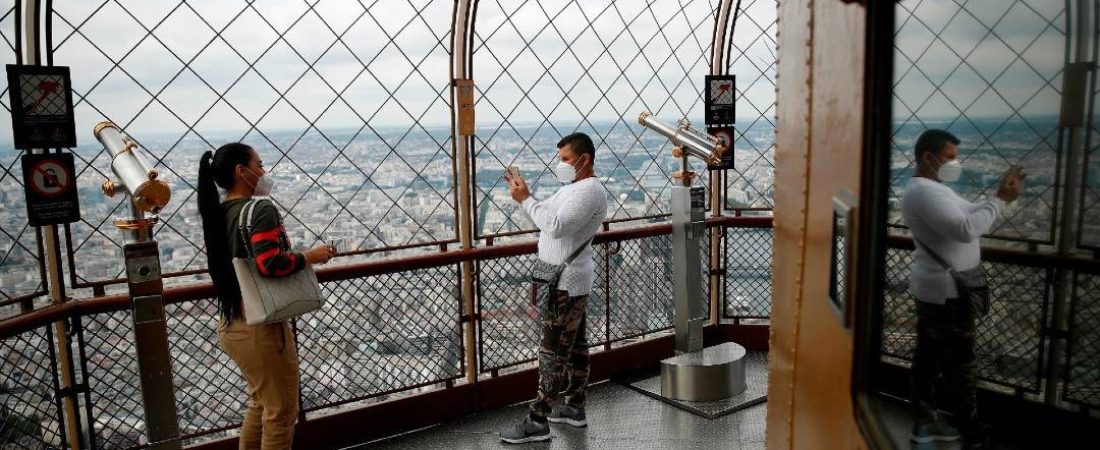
(465, 102)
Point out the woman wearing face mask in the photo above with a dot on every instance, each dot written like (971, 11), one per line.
(946, 227)
(265, 354)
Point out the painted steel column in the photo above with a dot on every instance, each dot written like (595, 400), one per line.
(717, 183)
(1080, 69)
(52, 249)
(459, 70)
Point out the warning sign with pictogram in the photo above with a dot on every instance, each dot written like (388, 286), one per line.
(721, 94)
(49, 183)
(42, 107)
(726, 136)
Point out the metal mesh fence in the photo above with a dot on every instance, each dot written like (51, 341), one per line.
(510, 321)
(984, 71)
(347, 102)
(641, 300)
(1088, 235)
(752, 56)
(631, 296)
(545, 69)
(30, 414)
(380, 335)
(1083, 361)
(115, 390)
(748, 272)
(1010, 339)
(210, 393)
(20, 265)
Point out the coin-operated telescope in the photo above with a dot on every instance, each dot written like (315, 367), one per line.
(686, 141)
(696, 373)
(148, 194)
(135, 176)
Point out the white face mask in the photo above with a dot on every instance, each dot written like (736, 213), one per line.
(263, 185)
(949, 172)
(565, 172)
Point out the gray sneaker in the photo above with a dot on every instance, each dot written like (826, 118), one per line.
(568, 415)
(937, 431)
(526, 431)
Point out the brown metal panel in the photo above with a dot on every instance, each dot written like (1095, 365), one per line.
(818, 153)
(823, 413)
(791, 150)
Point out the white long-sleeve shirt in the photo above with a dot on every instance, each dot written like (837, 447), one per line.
(566, 220)
(951, 226)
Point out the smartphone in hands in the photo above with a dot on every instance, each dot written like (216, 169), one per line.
(511, 173)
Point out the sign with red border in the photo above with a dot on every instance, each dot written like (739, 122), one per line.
(49, 184)
(726, 135)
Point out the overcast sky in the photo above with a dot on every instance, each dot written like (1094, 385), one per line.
(513, 37)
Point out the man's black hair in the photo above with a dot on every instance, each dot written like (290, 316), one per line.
(933, 141)
(580, 143)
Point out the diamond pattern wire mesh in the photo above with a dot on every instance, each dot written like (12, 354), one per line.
(1009, 339)
(838, 284)
(984, 70)
(210, 393)
(752, 57)
(29, 413)
(382, 334)
(20, 265)
(113, 381)
(510, 325)
(1088, 235)
(547, 69)
(641, 300)
(347, 102)
(748, 279)
(1083, 358)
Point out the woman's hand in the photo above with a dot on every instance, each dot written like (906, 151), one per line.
(320, 254)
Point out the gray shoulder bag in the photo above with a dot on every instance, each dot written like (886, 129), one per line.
(267, 300)
(550, 274)
(972, 284)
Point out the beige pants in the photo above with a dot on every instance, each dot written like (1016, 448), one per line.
(268, 361)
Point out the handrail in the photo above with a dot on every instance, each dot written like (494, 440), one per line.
(195, 291)
(100, 284)
(1017, 257)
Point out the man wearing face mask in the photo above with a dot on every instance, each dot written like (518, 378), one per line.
(567, 221)
(946, 228)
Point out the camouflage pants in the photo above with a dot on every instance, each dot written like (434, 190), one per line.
(945, 347)
(563, 354)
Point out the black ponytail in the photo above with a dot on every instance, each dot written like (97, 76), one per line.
(216, 169)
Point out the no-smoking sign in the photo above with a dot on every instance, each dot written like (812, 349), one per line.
(50, 186)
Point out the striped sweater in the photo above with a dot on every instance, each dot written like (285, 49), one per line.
(268, 239)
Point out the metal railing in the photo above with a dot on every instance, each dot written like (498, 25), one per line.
(1014, 339)
(391, 328)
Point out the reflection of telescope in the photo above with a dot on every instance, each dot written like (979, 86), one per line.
(147, 193)
(687, 141)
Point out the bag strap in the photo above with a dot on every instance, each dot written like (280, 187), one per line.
(244, 225)
(577, 252)
(933, 254)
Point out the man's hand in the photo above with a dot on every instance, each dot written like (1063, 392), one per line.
(518, 187)
(1012, 183)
